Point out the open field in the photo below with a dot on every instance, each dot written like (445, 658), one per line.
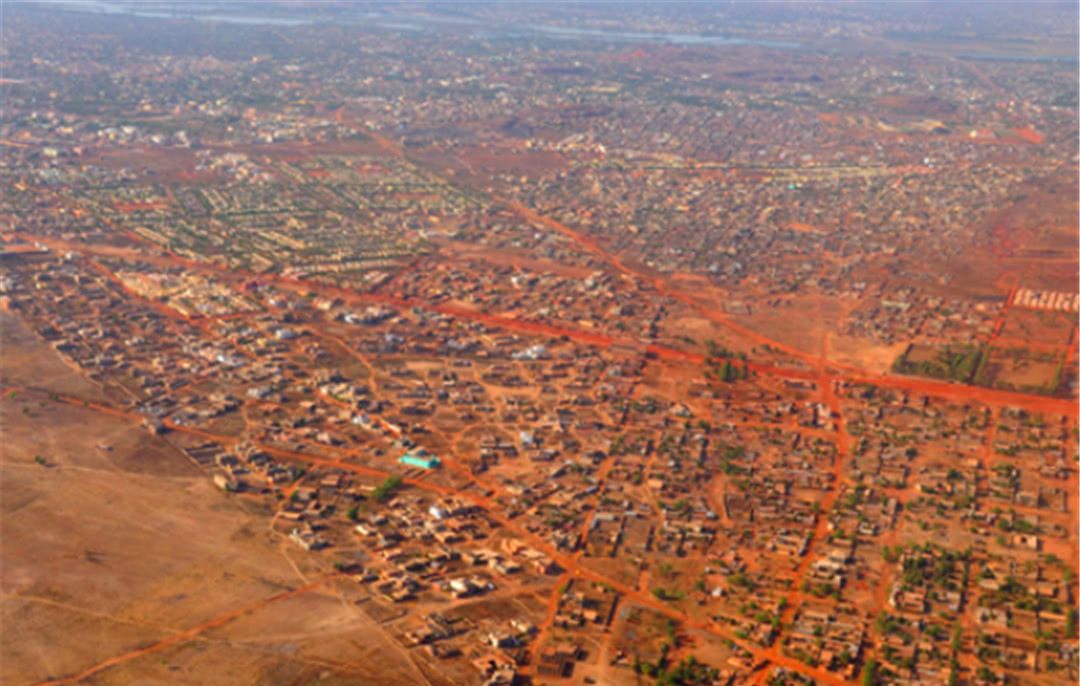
(112, 540)
(28, 361)
(1022, 369)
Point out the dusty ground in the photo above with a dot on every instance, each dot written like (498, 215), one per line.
(801, 323)
(118, 542)
(1040, 326)
(1021, 368)
(1025, 243)
(863, 354)
(27, 361)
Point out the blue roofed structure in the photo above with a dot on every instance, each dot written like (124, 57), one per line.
(419, 458)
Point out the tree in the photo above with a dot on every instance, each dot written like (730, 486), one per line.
(1070, 624)
(730, 373)
(386, 489)
(869, 673)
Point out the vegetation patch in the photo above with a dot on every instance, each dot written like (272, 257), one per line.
(949, 363)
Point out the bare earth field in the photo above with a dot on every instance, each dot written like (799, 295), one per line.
(27, 361)
(860, 353)
(112, 541)
(1023, 244)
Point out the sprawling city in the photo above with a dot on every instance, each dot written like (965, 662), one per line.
(444, 344)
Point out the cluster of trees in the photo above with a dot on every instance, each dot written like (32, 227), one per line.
(870, 676)
(387, 488)
(951, 363)
(726, 372)
(688, 672)
(730, 372)
(669, 594)
(713, 349)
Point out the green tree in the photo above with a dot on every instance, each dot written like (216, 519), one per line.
(386, 489)
(869, 675)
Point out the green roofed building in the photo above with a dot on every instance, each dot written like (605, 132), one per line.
(419, 458)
